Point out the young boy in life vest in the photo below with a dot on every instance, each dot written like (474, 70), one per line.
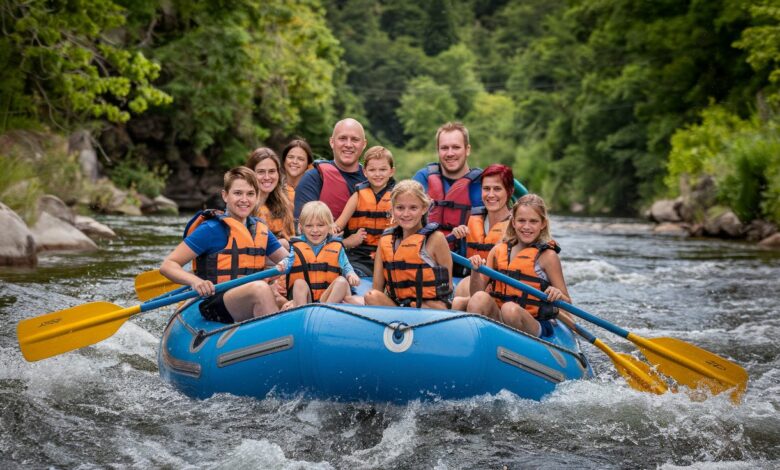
(317, 269)
(529, 255)
(367, 212)
(413, 266)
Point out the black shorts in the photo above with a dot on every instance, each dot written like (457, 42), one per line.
(213, 309)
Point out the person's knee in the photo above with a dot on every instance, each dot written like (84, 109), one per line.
(341, 281)
(372, 296)
(478, 301)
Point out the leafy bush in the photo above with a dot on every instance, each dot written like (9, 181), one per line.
(132, 174)
(742, 156)
(19, 188)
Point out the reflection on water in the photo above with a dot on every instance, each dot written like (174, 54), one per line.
(106, 406)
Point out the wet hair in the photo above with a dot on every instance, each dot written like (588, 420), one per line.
(537, 204)
(505, 176)
(451, 127)
(240, 173)
(315, 210)
(378, 152)
(300, 143)
(277, 202)
(415, 189)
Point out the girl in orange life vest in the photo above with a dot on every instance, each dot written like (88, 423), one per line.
(487, 224)
(413, 263)
(214, 243)
(317, 268)
(297, 157)
(367, 212)
(273, 205)
(529, 255)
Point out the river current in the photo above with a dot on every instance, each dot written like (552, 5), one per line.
(105, 406)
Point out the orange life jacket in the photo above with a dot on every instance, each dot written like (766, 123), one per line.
(410, 278)
(522, 269)
(477, 241)
(319, 271)
(371, 214)
(244, 252)
(290, 192)
(275, 224)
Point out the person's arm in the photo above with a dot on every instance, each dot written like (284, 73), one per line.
(379, 275)
(422, 177)
(347, 270)
(308, 189)
(478, 281)
(173, 268)
(551, 263)
(346, 214)
(439, 250)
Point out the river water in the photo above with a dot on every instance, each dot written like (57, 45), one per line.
(105, 406)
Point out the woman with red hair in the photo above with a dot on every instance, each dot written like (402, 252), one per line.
(487, 224)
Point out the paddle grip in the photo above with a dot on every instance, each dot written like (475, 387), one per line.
(221, 287)
(492, 273)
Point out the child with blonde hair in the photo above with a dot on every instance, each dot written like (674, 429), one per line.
(317, 269)
(529, 255)
(413, 266)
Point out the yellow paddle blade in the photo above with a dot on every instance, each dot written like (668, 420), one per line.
(73, 328)
(151, 284)
(638, 374)
(693, 367)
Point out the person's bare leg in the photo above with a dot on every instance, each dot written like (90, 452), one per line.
(336, 291)
(517, 317)
(301, 293)
(375, 297)
(253, 299)
(483, 303)
(462, 289)
(460, 303)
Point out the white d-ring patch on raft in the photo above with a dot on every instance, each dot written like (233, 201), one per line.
(395, 345)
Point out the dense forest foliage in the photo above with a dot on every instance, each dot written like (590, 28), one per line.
(603, 104)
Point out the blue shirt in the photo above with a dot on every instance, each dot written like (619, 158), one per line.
(211, 236)
(310, 187)
(346, 267)
(475, 188)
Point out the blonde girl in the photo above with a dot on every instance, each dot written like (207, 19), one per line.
(529, 255)
(413, 266)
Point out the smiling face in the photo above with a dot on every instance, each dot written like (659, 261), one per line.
(267, 175)
(316, 229)
(408, 211)
(295, 162)
(378, 172)
(240, 199)
(348, 142)
(494, 194)
(453, 152)
(528, 224)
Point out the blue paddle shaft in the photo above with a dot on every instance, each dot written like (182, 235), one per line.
(221, 287)
(492, 273)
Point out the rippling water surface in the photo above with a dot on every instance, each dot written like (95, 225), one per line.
(106, 406)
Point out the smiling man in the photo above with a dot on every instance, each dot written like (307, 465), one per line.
(454, 187)
(333, 182)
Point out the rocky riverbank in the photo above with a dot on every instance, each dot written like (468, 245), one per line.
(696, 213)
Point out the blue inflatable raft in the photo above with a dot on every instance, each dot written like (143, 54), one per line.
(355, 353)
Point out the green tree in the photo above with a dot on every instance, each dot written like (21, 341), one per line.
(63, 66)
(439, 28)
(424, 107)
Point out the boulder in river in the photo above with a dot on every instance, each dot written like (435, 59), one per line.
(671, 229)
(772, 241)
(17, 244)
(759, 229)
(54, 206)
(94, 229)
(51, 233)
(665, 210)
(721, 221)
